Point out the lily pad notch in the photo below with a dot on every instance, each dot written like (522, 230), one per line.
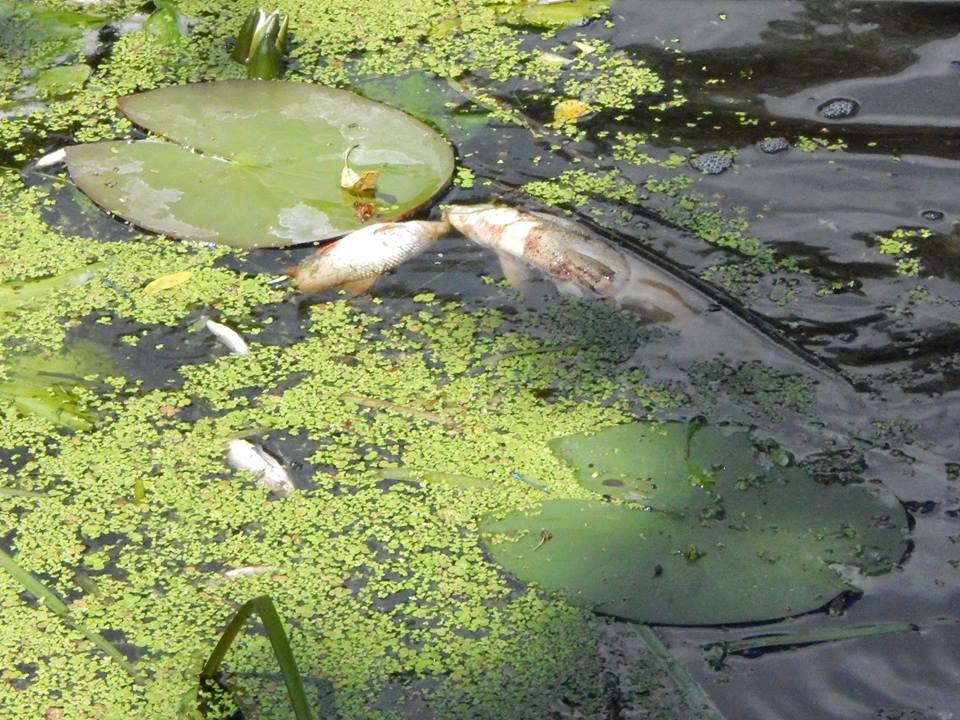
(700, 526)
(257, 163)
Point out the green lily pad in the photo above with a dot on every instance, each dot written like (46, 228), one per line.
(41, 31)
(552, 15)
(713, 530)
(62, 80)
(257, 163)
(428, 99)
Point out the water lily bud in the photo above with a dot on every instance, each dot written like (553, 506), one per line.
(266, 60)
(241, 48)
(282, 36)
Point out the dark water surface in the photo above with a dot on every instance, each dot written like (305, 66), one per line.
(893, 337)
(900, 62)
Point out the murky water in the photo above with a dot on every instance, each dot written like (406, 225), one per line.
(892, 337)
(780, 62)
(881, 346)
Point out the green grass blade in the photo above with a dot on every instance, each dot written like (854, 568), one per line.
(695, 695)
(55, 604)
(263, 606)
(785, 640)
(16, 492)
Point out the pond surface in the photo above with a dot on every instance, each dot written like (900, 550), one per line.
(831, 259)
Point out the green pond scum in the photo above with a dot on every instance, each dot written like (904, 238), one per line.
(377, 582)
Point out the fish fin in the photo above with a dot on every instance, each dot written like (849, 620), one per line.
(516, 272)
(360, 285)
(586, 270)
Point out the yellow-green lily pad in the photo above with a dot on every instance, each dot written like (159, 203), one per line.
(711, 530)
(257, 163)
(552, 15)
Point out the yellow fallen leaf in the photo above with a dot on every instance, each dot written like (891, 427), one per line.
(166, 282)
(550, 58)
(356, 182)
(584, 47)
(567, 110)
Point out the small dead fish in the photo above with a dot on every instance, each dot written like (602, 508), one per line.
(244, 455)
(577, 259)
(248, 571)
(553, 248)
(356, 260)
(228, 336)
(52, 158)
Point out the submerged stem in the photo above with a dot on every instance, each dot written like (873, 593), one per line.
(690, 688)
(263, 606)
(377, 403)
(56, 605)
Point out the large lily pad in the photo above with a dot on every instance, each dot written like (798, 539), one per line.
(551, 14)
(712, 531)
(257, 163)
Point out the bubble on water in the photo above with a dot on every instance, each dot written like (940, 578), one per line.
(712, 163)
(932, 215)
(839, 109)
(773, 145)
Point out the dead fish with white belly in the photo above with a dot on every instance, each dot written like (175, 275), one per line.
(244, 455)
(577, 260)
(356, 260)
(580, 262)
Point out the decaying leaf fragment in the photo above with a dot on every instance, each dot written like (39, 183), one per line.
(165, 282)
(570, 109)
(357, 183)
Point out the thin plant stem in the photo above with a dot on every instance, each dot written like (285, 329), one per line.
(379, 404)
(56, 605)
(263, 606)
(695, 695)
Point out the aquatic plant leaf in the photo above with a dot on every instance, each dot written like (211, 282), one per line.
(540, 14)
(713, 474)
(25, 26)
(62, 80)
(426, 98)
(165, 282)
(717, 534)
(269, 172)
(648, 567)
(56, 605)
(164, 25)
(15, 295)
(263, 606)
(48, 385)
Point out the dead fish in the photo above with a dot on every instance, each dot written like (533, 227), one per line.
(576, 258)
(579, 261)
(228, 336)
(248, 571)
(244, 455)
(52, 158)
(356, 260)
